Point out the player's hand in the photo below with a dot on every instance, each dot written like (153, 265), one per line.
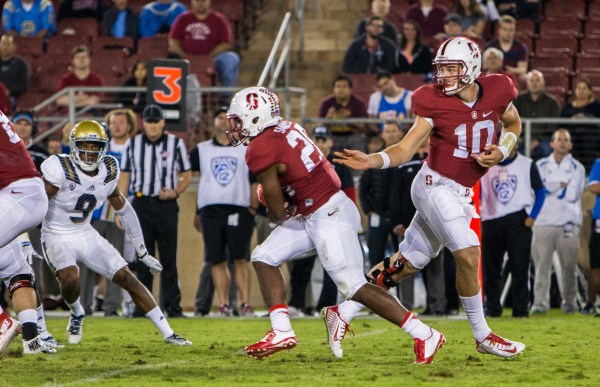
(167, 194)
(399, 230)
(152, 263)
(197, 223)
(354, 159)
(490, 156)
(27, 251)
(529, 222)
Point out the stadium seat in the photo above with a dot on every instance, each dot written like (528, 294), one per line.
(556, 44)
(592, 27)
(594, 12)
(557, 79)
(590, 45)
(588, 64)
(409, 81)
(551, 62)
(87, 27)
(153, 47)
(29, 46)
(560, 93)
(109, 67)
(593, 77)
(29, 99)
(63, 44)
(559, 10)
(137, 5)
(125, 45)
(525, 27)
(570, 27)
(363, 85)
(204, 68)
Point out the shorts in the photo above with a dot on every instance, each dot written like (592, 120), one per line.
(87, 247)
(12, 262)
(595, 245)
(228, 236)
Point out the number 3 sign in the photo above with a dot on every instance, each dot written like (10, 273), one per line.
(167, 88)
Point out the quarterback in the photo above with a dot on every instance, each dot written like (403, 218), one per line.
(460, 112)
(76, 185)
(317, 218)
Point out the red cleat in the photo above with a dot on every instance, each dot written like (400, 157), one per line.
(273, 342)
(9, 328)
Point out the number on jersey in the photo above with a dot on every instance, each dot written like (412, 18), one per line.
(86, 204)
(310, 155)
(477, 129)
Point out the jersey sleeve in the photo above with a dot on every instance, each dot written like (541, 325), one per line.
(52, 171)
(260, 157)
(509, 91)
(419, 102)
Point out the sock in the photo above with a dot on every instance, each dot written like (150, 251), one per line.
(41, 322)
(474, 309)
(280, 317)
(349, 309)
(415, 327)
(28, 318)
(160, 321)
(76, 308)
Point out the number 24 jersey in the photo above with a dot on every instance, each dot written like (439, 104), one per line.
(69, 211)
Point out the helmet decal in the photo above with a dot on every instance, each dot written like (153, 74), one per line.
(252, 101)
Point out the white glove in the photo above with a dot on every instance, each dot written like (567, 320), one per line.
(152, 263)
(27, 251)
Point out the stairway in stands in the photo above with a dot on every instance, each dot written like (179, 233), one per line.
(328, 32)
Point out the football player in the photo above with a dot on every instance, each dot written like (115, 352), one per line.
(460, 112)
(77, 184)
(319, 219)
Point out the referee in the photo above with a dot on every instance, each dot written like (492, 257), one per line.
(156, 168)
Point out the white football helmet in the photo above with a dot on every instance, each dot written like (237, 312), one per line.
(459, 51)
(252, 110)
(88, 132)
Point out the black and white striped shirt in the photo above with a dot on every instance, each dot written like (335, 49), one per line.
(154, 165)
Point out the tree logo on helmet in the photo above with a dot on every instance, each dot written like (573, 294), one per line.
(252, 101)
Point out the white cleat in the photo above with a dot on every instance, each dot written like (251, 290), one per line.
(36, 345)
(426, 349)
(499, 346)
(9, 328)
(52, 343)
(175, 339)
(75, 329)
(336, 329)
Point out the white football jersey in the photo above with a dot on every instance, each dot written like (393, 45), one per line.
(70, 210)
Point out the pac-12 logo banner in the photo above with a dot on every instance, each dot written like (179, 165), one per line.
(252, 101)
(505, 188)
(223, 169)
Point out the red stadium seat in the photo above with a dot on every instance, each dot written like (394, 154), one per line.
(63, 44)
(137, 5)
(590, 45)
(525, 27)
(551, 62)
(560, 93)
(594, 12)
(592, 27)
(560, 27)
(409, 81)
(556, 44)
(557, 79)
(29, 46)
(153, 47)
(29, 99)
(109, 67)
(204, 68)
(588, 64)
(87, 27)
(593, 77)
(124, 45)
(363, 85)
(559, 10)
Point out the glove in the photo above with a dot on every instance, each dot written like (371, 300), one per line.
(27, 251)
(151, 262)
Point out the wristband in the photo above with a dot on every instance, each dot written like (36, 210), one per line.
(507, 142)
(386, 159)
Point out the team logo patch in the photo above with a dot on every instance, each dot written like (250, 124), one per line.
(223, 169)
(474, 115)
(71, 186)
(504, 189)
(252, 101)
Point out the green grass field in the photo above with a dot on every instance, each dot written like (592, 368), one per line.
(561, 350)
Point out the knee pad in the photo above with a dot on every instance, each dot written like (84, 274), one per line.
(20, 281)
(383, 278)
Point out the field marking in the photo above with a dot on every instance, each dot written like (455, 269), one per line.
(109, 374)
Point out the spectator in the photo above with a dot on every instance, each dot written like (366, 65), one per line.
(519, 9)
(417, 54)
(429, 16)
(371, 52)
(13, 70)
(29, 18)
(452, 29)
(391, 102)
(535, 102)
(340, 105)
(584, 105)
(226, 205)
(202, 31)
(508, 212)
(138, 79)
(379, 8)
(558, 225)
(375, 143)
(120, 21)
(157, 17)
(472, 17)
(515, 52)
(81, 75)
(81, 9)
(54, 146)
(493, 63)
(594, 276)
(26, 127)
(157, 185)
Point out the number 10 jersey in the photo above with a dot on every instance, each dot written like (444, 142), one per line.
(78, 195)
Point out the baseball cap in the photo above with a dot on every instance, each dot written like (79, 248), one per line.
(321, 131)
(152, 113)
(23, 116)
(453, 18)
(220, 110)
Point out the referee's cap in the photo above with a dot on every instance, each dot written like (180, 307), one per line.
(152, 113)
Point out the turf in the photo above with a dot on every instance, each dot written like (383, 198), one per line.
(561, 350)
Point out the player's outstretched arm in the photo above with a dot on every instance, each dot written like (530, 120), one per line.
(393, 156)
(493, 154)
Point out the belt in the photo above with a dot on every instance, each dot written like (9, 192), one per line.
(151, 198)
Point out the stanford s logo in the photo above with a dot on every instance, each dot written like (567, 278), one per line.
(428, 180)
(223, 169)
(474, 115)
(252, 101)
(504, 189)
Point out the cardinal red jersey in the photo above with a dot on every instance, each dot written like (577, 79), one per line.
(15, 162)
(309, 178)
(460, 130)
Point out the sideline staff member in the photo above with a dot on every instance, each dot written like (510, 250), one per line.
(159, 168)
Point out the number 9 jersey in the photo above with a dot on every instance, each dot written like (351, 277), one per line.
(78, 195)
(461, 129)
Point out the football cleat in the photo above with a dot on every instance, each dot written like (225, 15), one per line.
(51, 342)
(247, 311)
(496, 345)
(426, 349)
(75, 329)
(175, 339)
(222, 311)
(36, 345)
(9, 328)
(336, 329)
(273, 342)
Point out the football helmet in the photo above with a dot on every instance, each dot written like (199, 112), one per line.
(252, 110)
(88, 132)
(457, 51)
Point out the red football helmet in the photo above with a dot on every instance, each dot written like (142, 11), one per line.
(462, 52)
